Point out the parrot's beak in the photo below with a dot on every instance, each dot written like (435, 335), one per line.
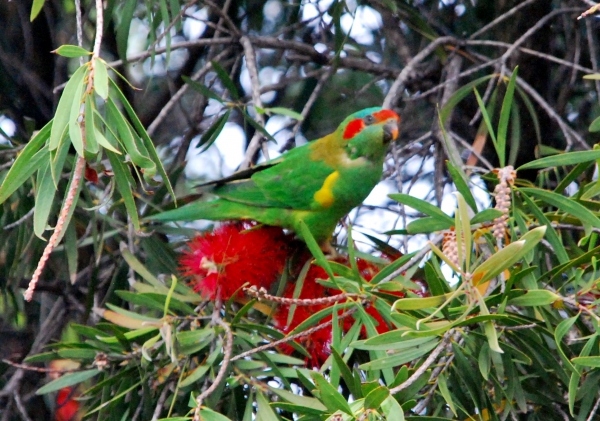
(391, 130)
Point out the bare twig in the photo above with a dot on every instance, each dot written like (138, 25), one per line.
(162, 115)
(20, 406)
(37, 369)
(290, 338)
(501, 18)
(227, 350)
(426, 364)
(257, 139)
(19, 221)
(594, 410)
(400, 82)
(262, 295)
(416, 259)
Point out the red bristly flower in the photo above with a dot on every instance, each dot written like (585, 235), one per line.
(234, 254)
(318, 344)
(67, 407)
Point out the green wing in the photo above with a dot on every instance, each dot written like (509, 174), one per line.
(290, 183)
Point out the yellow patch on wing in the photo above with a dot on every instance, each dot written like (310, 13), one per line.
(324, 196)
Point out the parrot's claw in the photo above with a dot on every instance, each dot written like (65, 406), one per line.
(329, 251)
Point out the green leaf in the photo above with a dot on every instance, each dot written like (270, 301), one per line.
(258, 127)
(505, 116)
(77, 354)
(392, 409)
(565, 204)
(211, 134)
(286, 112)
(101, 78)
(492, 337)
(71, 51)
(125, 18)
(553, 238)
(315, 249)
(298, 399)
(141, 130)
(420, 303)
(463, 231)
(345, 373)
(427, 225)
(559, 333)
(207, 414)
(587, 361)
(264, 412)
(44, 199)
(389, 269)
(225, 80)
(422, 206)
(329, 395)
(67, 380)
(65, 105)
(459, 95)
(393, 340)
(508, 256)
(195, 375)
(569, 158)
(490, 128)
(534, 297)
(36, 8)
(202, 89)
(70, 247)
(460, 181)
(132, 144)
(403, 357)
(375, 397)
(74, 125)
(595, 126)
(125, 189)
(443, 385)
(104, 142)
(91, 143)
(486, 215)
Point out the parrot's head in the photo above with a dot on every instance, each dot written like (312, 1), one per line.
(368, 132)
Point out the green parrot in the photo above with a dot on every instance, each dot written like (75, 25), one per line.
(317, 183)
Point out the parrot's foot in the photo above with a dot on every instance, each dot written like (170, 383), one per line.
(329, 251)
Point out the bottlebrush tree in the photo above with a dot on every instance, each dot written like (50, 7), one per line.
(487, 310)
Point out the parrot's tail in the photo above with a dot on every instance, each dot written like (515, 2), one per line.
(219, 210)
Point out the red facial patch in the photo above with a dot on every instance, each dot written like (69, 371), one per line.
(354, 127)
(385, 115)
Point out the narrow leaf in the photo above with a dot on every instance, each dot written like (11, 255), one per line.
(534, 297)
(65, 104)
(565, 204)
(422, 206)
(67, 380)
(36, 8)
(569, 158)
(44, 200)
(101, 78)
(505, 116)
(71, 51)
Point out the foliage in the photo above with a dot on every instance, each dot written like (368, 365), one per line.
(484, 312)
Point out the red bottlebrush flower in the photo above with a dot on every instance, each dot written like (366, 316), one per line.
(318, 344)
(67, 407)
(233, 255)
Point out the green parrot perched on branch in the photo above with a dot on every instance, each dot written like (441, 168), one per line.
(318, 183)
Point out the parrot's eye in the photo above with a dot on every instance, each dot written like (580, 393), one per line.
(369, 119)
